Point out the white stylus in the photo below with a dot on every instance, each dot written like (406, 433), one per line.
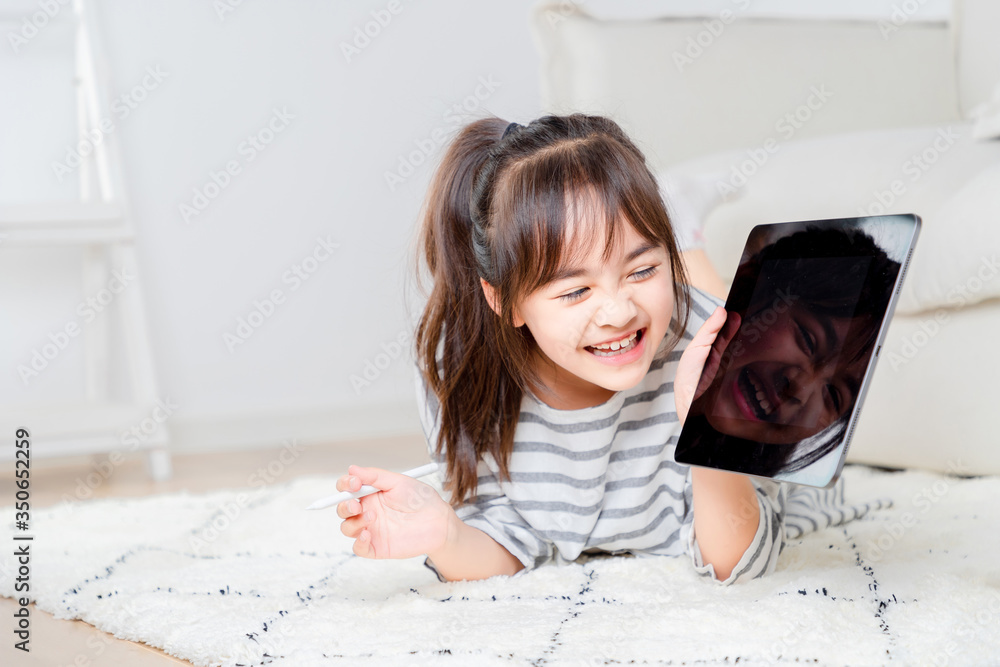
(366, 490)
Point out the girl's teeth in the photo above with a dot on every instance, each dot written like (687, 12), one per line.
(761, 396)
(617, 344)
(614, 349)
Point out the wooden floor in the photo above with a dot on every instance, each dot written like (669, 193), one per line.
(57, 643)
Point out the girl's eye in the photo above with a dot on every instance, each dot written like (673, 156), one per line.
(807, 338)
(835, 395)
(573, 296)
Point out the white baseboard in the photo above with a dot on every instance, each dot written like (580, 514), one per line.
(262, 430)
(237, 431)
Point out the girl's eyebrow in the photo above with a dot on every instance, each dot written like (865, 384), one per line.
(573, 271)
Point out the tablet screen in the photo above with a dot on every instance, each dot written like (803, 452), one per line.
(787, 371)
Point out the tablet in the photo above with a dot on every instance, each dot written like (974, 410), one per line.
(781, 391)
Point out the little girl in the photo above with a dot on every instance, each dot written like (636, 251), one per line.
(557, 358)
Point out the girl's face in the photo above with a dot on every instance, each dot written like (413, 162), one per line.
(783, 381)
(590, 304)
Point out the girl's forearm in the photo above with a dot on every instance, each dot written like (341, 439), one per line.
(726, 516)
(469, 553)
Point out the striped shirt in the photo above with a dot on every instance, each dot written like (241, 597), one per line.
(603, 479)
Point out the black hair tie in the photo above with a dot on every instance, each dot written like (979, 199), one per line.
(510, 128)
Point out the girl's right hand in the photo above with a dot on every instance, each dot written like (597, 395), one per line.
(699, 363)
(404, 519)
(719, 348)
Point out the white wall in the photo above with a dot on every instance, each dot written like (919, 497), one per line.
(322, 176)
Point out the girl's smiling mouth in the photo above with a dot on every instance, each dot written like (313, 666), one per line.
(624, 355)
(752, 399)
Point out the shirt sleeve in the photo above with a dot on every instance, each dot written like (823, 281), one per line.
(761, 556)
(492, 512)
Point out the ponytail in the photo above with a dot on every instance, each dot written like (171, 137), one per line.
(468, 377)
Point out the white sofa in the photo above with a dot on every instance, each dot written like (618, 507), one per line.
(760, 119)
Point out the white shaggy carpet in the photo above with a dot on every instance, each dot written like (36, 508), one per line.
(915, 584)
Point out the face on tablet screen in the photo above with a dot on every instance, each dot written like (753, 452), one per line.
(804, 314)
(783, 375)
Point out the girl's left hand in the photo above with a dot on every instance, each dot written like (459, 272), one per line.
(700, 354)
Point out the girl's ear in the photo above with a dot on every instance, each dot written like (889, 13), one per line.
(491, 298)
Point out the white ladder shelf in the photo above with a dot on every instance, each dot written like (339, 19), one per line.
(100, 222)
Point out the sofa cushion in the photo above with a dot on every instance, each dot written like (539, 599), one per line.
(940, 173)
(987, 118)
(977, 50)
(961, 249)
(933, 396)
(689, 198)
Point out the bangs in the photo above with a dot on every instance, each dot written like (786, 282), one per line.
(565, 241)
(547, 230)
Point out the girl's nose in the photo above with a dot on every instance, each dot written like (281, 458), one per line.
(617, 310)
(801, 383)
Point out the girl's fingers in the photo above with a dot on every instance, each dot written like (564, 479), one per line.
(363, 545)
(348, 508)
(383, 480)
(701, 345)
(693, 360)
(348, 482)
(706, 334)
(718, 350)
(352, 527)
(355, 524)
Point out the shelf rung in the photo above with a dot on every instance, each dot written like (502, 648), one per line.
(60, 213)
(12, 19)
(64, 237)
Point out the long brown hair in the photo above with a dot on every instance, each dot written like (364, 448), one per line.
(496, 209)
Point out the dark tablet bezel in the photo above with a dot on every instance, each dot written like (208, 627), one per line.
(685, 453)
